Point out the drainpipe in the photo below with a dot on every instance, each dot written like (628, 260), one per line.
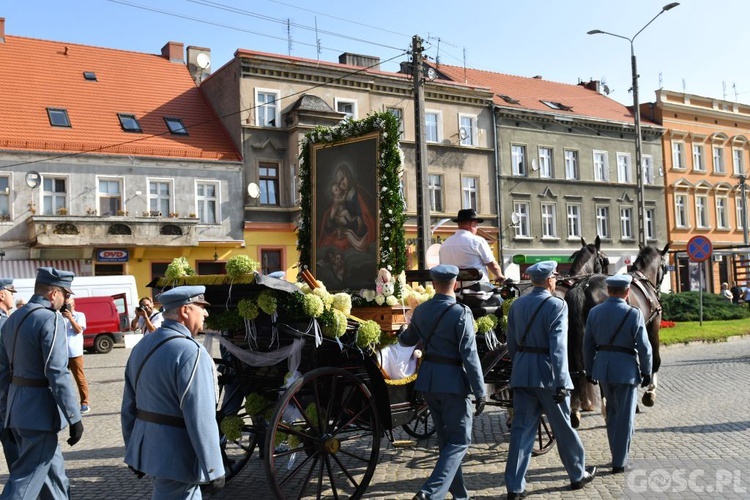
(498, 186)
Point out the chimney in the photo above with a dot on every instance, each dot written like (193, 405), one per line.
(172, 51)
(2, 30)
(369, 62)
(594, 85)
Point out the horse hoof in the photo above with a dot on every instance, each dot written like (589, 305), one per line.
(649, 397)
(575, 419)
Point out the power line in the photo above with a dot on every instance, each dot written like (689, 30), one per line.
(150, 136)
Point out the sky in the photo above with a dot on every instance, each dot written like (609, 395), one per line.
(698, 47)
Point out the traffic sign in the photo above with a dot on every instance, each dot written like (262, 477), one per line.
(699, 248)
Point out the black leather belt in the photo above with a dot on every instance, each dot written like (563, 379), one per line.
(30, 382)
(160, 418)
(442, 360)
(533, 350)
(617, 348)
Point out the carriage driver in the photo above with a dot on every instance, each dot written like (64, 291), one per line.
(538, 346)
(168, 404)
(450, 372)
(617, 353)
(466, 250)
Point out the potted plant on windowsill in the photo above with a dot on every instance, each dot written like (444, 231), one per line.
(90, 211)
(174, 215)
(62, 211)
(122, 213)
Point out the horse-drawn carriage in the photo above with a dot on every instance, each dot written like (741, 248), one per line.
(315, 407)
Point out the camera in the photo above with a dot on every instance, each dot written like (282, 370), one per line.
(140, 309)
(64, 307)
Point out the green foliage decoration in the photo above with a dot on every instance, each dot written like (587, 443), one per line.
(267, 301)
(178, 268)
(231, 427)
(368, 334)
(240, 265)
(390, 171)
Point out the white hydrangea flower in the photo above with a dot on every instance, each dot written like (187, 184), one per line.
(379, 299)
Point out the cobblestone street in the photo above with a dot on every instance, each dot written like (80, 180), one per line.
(700, 424)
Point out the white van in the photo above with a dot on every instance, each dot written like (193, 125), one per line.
(90, 286)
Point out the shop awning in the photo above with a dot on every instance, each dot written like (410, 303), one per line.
(20, 269)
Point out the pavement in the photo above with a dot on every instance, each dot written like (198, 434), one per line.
(692, 444)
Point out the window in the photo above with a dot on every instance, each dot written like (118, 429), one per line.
(556, 105)
(602, 221)
(432, 126)
(175, 126)
(737, 161)
(718, 160)
(268, 177)
(647, 162)
(722, 221)
(601, 166)
(678, 155)
(399, 114)
(740, 215)
(129, 123)
(624, 169)
(648, 226)
(270, 260)
(545, 162)
(160, 197)
(549, 220)
(110, 196)
(518, 159)
(267, 113)
(626, 223)
(698, 164)
(467, 130)
(5, 197)
(348, 107)
(469, 193)
(522, 228)
(574, 220)
(58, 117)
(701, 213)
(53, 195)
(571, 165)
(89, 75)
(680, 210)
(207, 202)
(435, 186)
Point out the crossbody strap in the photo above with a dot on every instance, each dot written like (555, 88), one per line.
(15, 335)
(531, 321)
(435, 325)
(151, 353)
(619, 327)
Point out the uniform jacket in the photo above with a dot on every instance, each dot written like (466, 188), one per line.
(41, 352)
(548, 331)
(612, 366)
(177, 380)
(454, 338)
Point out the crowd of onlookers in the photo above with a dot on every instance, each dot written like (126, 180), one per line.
(736, 294)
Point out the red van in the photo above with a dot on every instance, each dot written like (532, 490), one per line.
(106, 320)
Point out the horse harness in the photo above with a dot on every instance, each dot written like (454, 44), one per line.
(650, 293)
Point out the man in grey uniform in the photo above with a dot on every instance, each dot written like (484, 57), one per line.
(169, 403)
(37, 393)
(449, 373)
(10, 448)
(617, 353)
(538, 346)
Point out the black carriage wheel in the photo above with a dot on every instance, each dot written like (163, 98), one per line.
(422, 426)
(545, 438)
(237, 452)
(324, 438)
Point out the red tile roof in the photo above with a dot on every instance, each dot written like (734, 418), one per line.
(38, 74)
(529, 92)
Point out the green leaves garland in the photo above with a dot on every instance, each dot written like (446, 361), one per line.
(390, 171)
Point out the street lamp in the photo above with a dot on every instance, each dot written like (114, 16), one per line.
(637, 120)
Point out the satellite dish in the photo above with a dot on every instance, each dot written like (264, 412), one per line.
(253, 190)
(431, 74)
(534, 165)
(432, 258)
(515, 218)
(438, 224)
(33, 179)
(463, 133)
(202, 61)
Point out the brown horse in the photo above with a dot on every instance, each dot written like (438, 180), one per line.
(647, 271)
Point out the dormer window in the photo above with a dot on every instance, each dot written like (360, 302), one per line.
(58, 117)
(508, 99)
(129, 123)
(89, 76)
(175, 126)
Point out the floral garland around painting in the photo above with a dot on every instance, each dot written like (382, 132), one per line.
(390, 172)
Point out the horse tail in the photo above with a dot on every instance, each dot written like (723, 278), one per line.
(576, 300)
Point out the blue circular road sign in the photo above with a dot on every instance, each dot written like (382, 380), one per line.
(699, 248)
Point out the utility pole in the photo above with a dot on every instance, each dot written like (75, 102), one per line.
(423, 192)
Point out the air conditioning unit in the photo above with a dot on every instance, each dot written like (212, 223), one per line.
(717, 257)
